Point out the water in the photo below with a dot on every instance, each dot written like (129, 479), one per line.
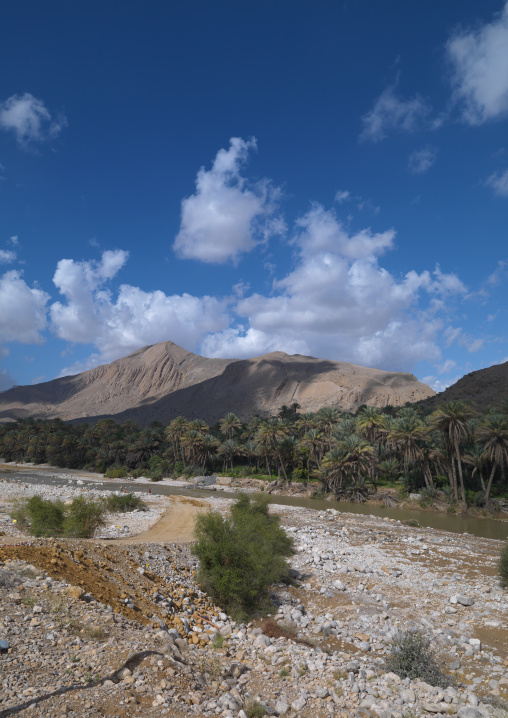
(482, 527)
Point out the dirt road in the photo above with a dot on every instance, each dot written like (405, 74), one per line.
(175, 526)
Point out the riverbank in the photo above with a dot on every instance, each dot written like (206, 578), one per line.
(361, 580)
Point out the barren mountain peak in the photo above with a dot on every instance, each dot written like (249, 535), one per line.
(161, 381)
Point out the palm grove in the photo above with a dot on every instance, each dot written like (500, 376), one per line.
(454, 449)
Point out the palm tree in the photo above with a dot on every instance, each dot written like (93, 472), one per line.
(199, 425)
(406, 435)
(229, 425)
(228, 449)
(174, 433)
(314, 441)
(370, 423)
(478, 460)
(451, 419)
(494, 433)
(349, 460)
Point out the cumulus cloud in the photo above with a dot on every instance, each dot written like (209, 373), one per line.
(499, 183)
(421, 161)
(339, 303)
(227, 216)
(117, 324)
(29, 119)
(479, 62)
(23, 315)
(500, 273)
(7, 256)
(393, 113)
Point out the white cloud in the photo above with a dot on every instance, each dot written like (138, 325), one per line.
(23, 314)
(447, 366)
(499, 183)
(338, 303)
(500, 273)
(440, 385)
(14, 240)
(458, 336)
(117, 325)
(7, 256)
(393, 113)
(29, 119)
(479, 60)
(227, 216)
(342, 196)
(421, 161)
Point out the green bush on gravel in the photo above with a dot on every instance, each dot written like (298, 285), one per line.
(241, 556)
(83, 518)
(46, 517)
(43, 518)
(411, 658)
(123, 503)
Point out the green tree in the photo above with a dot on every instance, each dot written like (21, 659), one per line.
(451, 419)
(242, 555)
(494, 433)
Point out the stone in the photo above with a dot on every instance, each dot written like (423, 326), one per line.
(339, 585)
(475, 644)
(468, 712)
(4, 646)
(299, 703)
(465, 600)
(431, 707)
(74, 592)
(282, 706)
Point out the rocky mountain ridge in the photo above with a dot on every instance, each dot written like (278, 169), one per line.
(162, 381)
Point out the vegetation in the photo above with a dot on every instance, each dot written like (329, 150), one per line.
(452, 449)
(83, 518)
(503, 566)
(123, 503)
(242, 555)
(79, 519)
(412, 659)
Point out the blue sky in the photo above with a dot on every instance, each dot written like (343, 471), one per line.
(326, 178)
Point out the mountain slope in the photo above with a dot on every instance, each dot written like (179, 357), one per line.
(162, 381)
(485, 387)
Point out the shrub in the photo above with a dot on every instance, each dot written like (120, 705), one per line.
(20, 514)
(116, 472)
(123, 503)
(241, 556)
(503, 566)
(412, 659)
(46, 517)
(83, 517)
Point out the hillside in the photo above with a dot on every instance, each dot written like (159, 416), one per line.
(162, 381)
(485, 387)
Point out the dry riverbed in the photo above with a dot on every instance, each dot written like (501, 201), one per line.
(116, 626)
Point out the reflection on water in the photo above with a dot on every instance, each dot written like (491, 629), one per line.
(486, 528)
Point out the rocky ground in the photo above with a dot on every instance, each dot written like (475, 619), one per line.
(97, 628)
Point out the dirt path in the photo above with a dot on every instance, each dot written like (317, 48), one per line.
(175, 526)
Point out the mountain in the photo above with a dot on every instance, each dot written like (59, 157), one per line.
(485, 387)
(162, 381)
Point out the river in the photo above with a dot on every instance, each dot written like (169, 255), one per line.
(483, 527)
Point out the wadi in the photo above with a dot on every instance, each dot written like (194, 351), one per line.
(135, 579)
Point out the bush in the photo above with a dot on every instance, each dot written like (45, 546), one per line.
(241, 556)
(123, 503)
(46, 517)
(83, 517)
(116, 472)
(503, 566)
(412, 659)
